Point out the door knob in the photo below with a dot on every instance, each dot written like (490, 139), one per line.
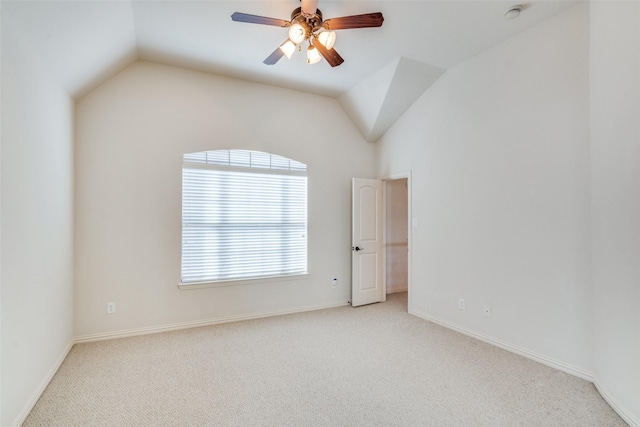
(357, 249)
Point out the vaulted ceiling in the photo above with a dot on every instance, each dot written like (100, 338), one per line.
(385, 69)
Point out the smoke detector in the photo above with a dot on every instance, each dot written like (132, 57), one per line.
(513, 12)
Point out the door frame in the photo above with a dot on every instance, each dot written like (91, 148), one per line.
(385, 180)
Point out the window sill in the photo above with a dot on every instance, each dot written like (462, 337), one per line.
(240, 282)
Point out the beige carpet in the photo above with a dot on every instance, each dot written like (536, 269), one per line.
(368, 366)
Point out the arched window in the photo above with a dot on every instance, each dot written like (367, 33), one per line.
(244, 216)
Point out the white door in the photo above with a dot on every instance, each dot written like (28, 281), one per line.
(366, 242)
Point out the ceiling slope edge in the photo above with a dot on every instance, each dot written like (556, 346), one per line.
(363, 102)
(376, 103)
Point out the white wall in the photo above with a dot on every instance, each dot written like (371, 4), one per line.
(525, 177)
(36, 225)
(131, 134)
(499, 154)
(615, 198)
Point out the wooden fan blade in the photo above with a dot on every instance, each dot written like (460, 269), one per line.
(332, 57)
(255, 19)
(309, 7)
(274, 57)
(356, 21)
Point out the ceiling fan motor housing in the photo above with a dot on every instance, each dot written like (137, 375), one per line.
(313, 22)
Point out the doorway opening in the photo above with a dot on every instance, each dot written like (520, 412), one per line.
(397, 235)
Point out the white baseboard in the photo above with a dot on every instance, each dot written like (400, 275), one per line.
(553, 363)
(627, 416)
(561, 366)
(41, 387)
(196, 324)
(144, 331)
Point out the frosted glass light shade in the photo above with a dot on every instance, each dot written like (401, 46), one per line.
(297, 33)
(288, 48)
(327, 38)
(313, 56)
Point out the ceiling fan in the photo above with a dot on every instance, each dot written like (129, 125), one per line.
(306, 24)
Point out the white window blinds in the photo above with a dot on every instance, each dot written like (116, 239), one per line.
(244, 216)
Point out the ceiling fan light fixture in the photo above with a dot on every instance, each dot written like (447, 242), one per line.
(307, 25)
(288, 48)
(298, 32)
(313, 56)
(327, 38)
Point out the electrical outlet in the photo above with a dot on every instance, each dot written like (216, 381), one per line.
(461, 304)
(111, 307)
(334, 283)
(487, 310)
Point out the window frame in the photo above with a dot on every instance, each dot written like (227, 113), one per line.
(295, 169)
